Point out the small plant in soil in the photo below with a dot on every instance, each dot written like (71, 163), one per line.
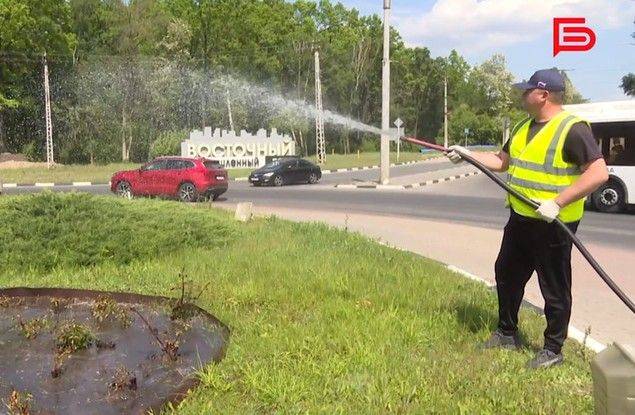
(58, 305)
(58, 363)
(104, 344)
(123, 380)
(6, 302)
(73, 337)
(19, 403)
(105, 308)
(184, 307)
(169, 347)
(32, 328)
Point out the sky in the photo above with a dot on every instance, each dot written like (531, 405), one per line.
(522, 30)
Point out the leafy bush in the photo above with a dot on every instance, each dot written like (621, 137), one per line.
(168, 144)
(50, 230)
(32, 151)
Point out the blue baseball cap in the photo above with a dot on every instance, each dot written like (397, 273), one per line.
(547, 79)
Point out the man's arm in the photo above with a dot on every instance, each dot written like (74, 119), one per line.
(594, 175)
(496, 162)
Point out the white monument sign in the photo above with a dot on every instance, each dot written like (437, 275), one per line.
(233, 150)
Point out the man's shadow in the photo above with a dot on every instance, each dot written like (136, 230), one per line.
(477, 318)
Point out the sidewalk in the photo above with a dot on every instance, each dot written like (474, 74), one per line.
(412, 181)
(474, 250)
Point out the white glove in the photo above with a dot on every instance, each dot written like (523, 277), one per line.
(548, 210)
(455, 153)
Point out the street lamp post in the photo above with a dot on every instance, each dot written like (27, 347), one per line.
(384, 176)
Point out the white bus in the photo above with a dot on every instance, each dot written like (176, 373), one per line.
(613, 125)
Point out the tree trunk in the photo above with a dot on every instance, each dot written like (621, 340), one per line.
(2, 145)
(303, 144)
(123, 135)
(129, 144)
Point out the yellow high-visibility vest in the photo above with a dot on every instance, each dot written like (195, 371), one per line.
(537, 169)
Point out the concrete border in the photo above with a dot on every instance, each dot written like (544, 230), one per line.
(407, 186)
(573, 332)
(350, 169)
(38, 184)
(238, 179)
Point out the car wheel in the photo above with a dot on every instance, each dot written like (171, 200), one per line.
(277, 181)
(124, 189)
(215, 197)
(313, 178)
(188, 193)
(610, 198)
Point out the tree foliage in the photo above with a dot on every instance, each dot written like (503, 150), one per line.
(126, 73)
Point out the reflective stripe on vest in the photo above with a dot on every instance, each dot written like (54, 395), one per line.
(537, 185)
(538, 170)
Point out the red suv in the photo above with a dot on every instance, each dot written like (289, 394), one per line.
(188, 179)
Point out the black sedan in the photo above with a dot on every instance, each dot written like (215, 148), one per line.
(286, 171)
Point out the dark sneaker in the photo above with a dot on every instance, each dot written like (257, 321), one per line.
(498, 340)
(545, 358)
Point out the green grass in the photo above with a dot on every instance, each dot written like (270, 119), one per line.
(341, 161)
(322, 320)
(102, 173)
(65, 173)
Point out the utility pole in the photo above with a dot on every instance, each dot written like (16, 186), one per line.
(47, 115)
(320, 145)
(384, 172)
(445, 112)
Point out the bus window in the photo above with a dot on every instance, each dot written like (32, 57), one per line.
(617, 142)
(624, 156)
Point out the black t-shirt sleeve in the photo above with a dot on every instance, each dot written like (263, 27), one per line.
(580, 146)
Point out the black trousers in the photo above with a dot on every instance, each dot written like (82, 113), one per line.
(534, 245)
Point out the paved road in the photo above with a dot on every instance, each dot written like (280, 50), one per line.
(474, 201)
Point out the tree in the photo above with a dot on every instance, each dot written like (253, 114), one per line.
(27, 30)
(491, 83)
(628, 81)
(628, 84)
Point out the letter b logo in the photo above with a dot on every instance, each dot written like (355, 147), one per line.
(570, 34)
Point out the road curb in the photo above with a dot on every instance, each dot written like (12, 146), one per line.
(350, 169)
(573, 333)
(407, 186)
(238, 179)
(38, 184)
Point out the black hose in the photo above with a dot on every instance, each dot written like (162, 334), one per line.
(585, 253)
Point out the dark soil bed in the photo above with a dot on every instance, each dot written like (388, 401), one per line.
(86, 352)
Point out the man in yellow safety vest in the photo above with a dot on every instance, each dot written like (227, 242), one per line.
(553, 159)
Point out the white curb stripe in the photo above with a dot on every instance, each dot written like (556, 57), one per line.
(573, 333)
(10, 185)
(82, 184)
(407, 186)
(44, 184)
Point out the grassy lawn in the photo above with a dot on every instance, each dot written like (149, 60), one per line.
(341, 161)
(322, 320)
(65, 173)
(103, 173)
